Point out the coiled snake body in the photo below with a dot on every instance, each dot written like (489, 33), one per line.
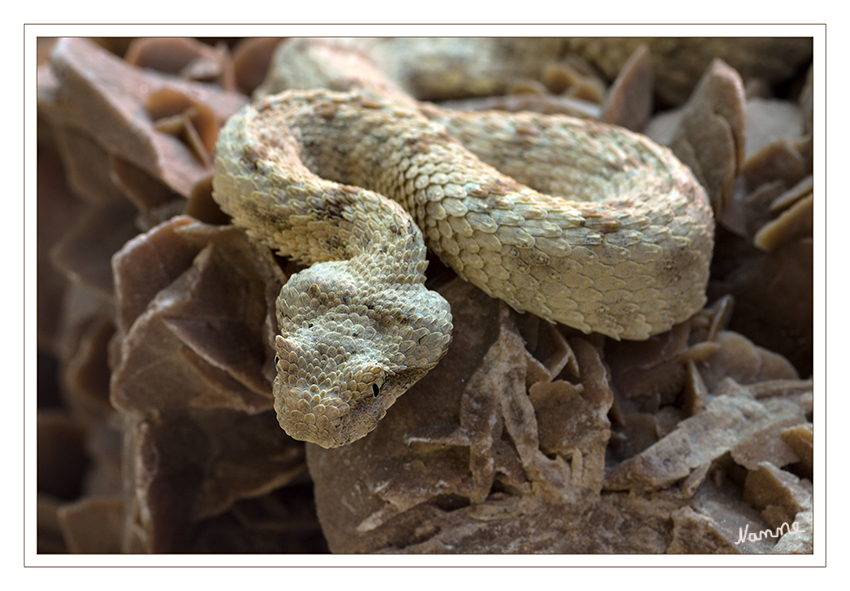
(622, 250)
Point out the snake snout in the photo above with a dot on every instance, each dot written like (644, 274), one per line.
(343, 406)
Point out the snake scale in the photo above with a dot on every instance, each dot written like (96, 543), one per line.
(615, 237)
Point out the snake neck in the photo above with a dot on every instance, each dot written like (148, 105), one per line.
(268, 178)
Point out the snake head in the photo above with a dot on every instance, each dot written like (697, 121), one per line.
(342, 361)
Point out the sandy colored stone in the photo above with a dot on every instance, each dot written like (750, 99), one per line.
(190, 466)
(92, 525)
(86, 370)
(726, 422)
(771, 120)
(504, 453)
(801, 441)
(781, 160)
(755, 279)
(807, 99)
(705, 325)
(799, 542)
(572, 420)
(62, 458)
(775, 174)
(559, 76)
(713, 521)
(203, 207)
(104, 447)
(692, 481)
(55, 204)
(588, 89)
(794, 223)
(635, 432)
(87, 166)
(251, 59)
(105, 97)
(795, 194)
(697, 533)
(767, 445)
(84, 253)
(778, 494)
(140, 188)
(649, 371)
(49, 536)
(527, 86)
(548, 353)
(182, 324)
(280, 522)
(745, 362)
(450, 68)
(696, 392)
(679, 62)
(663, 125)
(711, 135)
(629, 101)
(184, 57)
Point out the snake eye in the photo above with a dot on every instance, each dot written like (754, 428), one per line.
(375, 390)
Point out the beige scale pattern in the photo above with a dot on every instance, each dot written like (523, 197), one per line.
(614, 237)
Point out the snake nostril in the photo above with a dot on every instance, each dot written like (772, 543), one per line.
(375, 390)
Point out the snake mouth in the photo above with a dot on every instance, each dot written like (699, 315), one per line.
(327, 391)
(325, 418)
(343, 410)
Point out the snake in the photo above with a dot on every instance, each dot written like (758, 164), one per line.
(581, 223)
